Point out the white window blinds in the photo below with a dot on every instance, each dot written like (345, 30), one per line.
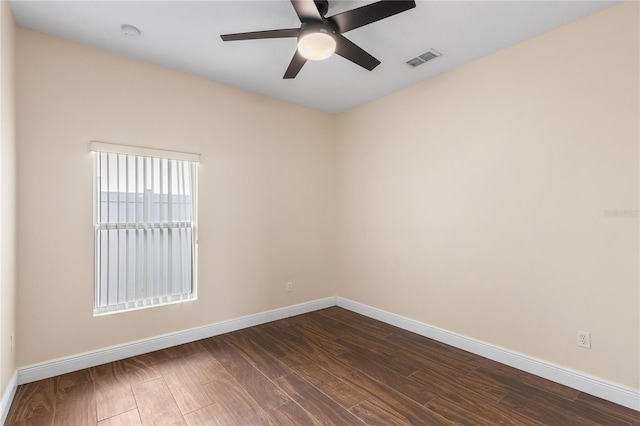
(145, 227)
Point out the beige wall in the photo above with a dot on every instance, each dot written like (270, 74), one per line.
(7, 197)
(476, 201)
(266, 193)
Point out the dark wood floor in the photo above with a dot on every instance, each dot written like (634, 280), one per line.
(327, 367)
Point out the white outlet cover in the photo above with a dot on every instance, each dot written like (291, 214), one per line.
(584, 339)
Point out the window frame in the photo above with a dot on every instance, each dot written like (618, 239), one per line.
(148, 302)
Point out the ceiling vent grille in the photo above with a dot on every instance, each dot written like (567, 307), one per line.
(421, 59)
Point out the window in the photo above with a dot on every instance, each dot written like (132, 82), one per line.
(145, 227)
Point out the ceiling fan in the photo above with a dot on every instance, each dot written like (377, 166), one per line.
(319, 36)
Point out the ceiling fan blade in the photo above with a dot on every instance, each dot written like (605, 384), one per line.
(289, 32)
(349, 50)
(356, 18)
(295, 66)
(306, 10)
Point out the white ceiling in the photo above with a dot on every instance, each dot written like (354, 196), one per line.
(185, 35)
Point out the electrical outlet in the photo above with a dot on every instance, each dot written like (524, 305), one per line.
(12, 340)
(290, 286)
(584, 339)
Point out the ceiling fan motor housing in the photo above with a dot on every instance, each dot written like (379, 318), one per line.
(323, 6)
(325, 27)
(317, 40)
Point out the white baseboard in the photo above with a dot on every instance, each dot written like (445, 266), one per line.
(613, 392)
(7, 397)
(102, 356)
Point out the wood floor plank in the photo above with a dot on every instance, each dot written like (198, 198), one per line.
(272, 330)
(76, 405)
(322, 328)
(44, 419)
(389, 401)
(256, 384)
(484, 414)
(208, 415)
(548, 399)
(457, 414)
(375, 412)
(419, 344)
(261, 359)
(132, 370)
(548, 414)
(327, 344)
(268, 342)
(353, 340)
(33, 400)
(483, 385)
(306, 352)
(134, 374)
(402, 366)
(156, 404)
(529, 379)
(195, 369)
(420, 354)
(73, 378)
(190, 397)
(623, 413)
(101, 370)
(181, 351)
(379, 371)
(290, 413)
(475, 403)
(293, 360)
(365, 325)
(216, 415)
(319, 405)
(113, 396)
(232, 405)
(551, 400)
(295, 320)
(332, 386)
(444, 378)
(512, 382)
(151, 358)
(549, 386)
(378, 342)
(323, 318)
(129, 418)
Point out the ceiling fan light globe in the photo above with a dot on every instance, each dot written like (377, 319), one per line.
(317, 45)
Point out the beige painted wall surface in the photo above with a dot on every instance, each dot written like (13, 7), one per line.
(476, 201)
(7, 197)
(266, 193)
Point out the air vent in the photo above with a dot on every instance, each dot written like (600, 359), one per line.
(421, 59)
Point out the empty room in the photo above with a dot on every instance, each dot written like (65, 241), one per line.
(319, 212)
